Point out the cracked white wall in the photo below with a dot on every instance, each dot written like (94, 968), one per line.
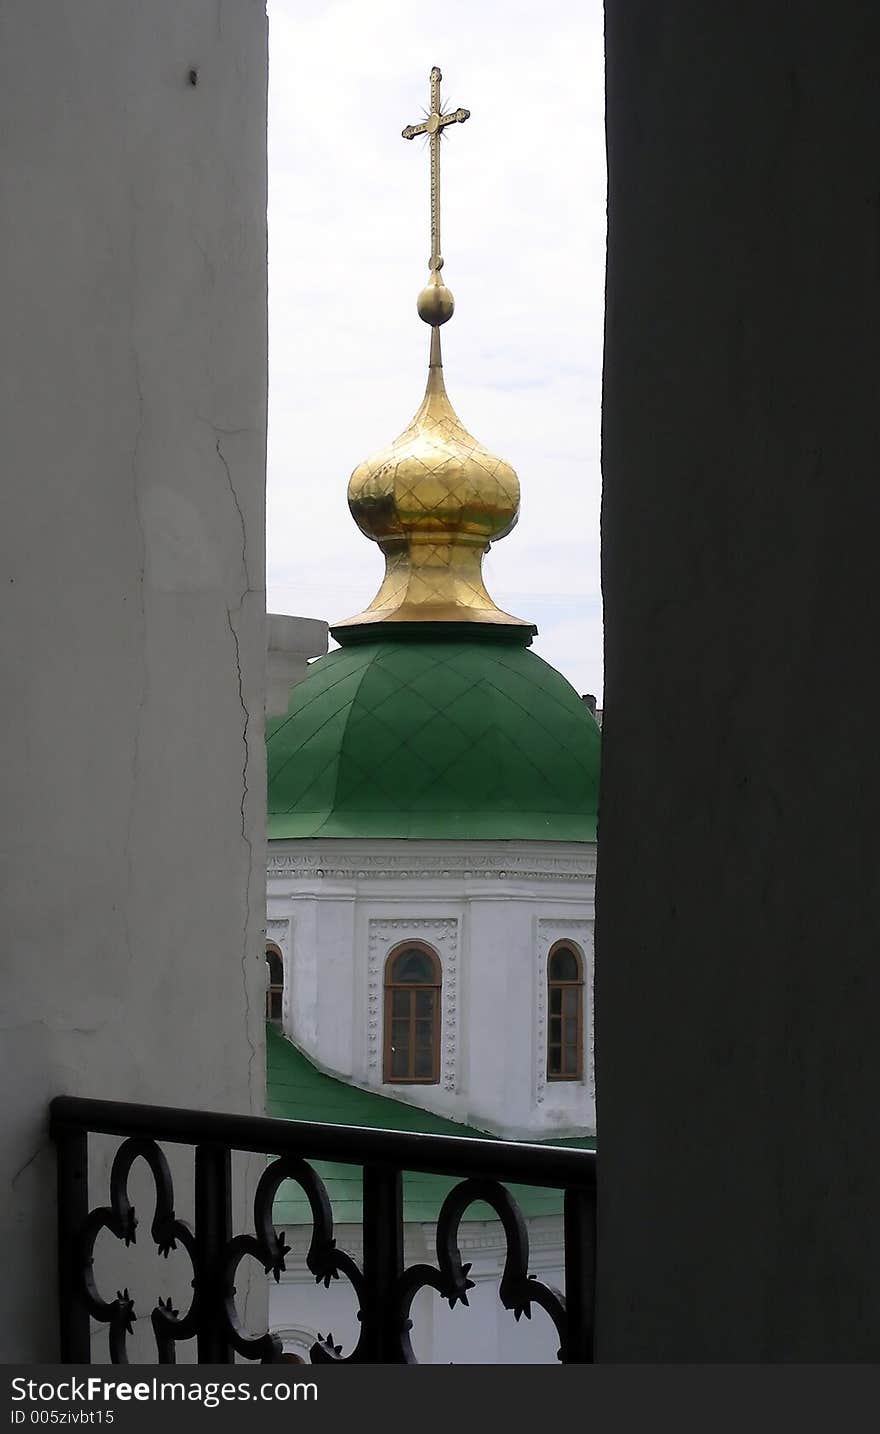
(132, 408)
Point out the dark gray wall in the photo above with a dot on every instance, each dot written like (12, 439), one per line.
(738, 986)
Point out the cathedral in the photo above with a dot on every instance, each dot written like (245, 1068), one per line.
(432, 799)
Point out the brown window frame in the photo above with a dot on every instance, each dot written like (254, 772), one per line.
(391, 987)
(273, 988)
(563, 986)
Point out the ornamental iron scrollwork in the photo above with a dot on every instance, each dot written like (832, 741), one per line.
(384, 1288)
(518, 1290)
(167, 1232)
(268, 1246)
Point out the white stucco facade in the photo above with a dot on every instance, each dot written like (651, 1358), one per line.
(491, 911)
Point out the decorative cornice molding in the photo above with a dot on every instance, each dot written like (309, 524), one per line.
(442, 934)
(316, 866)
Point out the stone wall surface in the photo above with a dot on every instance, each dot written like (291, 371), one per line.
(132, 409)
(738, 981)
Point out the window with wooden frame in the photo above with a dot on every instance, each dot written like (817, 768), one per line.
(275, 988)
(412, 1015)
(565, 1012)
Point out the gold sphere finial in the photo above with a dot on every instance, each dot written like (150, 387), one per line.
(435, 303)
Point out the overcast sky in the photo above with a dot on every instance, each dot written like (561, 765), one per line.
(523, 236)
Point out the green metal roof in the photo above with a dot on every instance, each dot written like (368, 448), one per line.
(296, 1090)
(442, 738)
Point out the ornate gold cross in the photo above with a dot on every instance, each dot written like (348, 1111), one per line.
(434, 126)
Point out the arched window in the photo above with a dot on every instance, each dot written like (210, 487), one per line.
(565, 1013)
(275, 990)
(412, 1015)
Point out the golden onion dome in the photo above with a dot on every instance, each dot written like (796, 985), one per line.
(434, 500)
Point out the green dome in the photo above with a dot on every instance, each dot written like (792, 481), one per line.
(433, 739)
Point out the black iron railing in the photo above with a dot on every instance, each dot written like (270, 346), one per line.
(384, 1288)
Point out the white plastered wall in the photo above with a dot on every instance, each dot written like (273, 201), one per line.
(491, 911)
(132, 408)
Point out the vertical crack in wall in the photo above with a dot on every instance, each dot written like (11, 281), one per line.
(241, 522)
(245, 788)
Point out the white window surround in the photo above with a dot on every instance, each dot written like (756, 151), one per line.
(550, 931)
(441, 933)
(280, 932)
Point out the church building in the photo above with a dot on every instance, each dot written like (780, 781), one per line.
(432, 799)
